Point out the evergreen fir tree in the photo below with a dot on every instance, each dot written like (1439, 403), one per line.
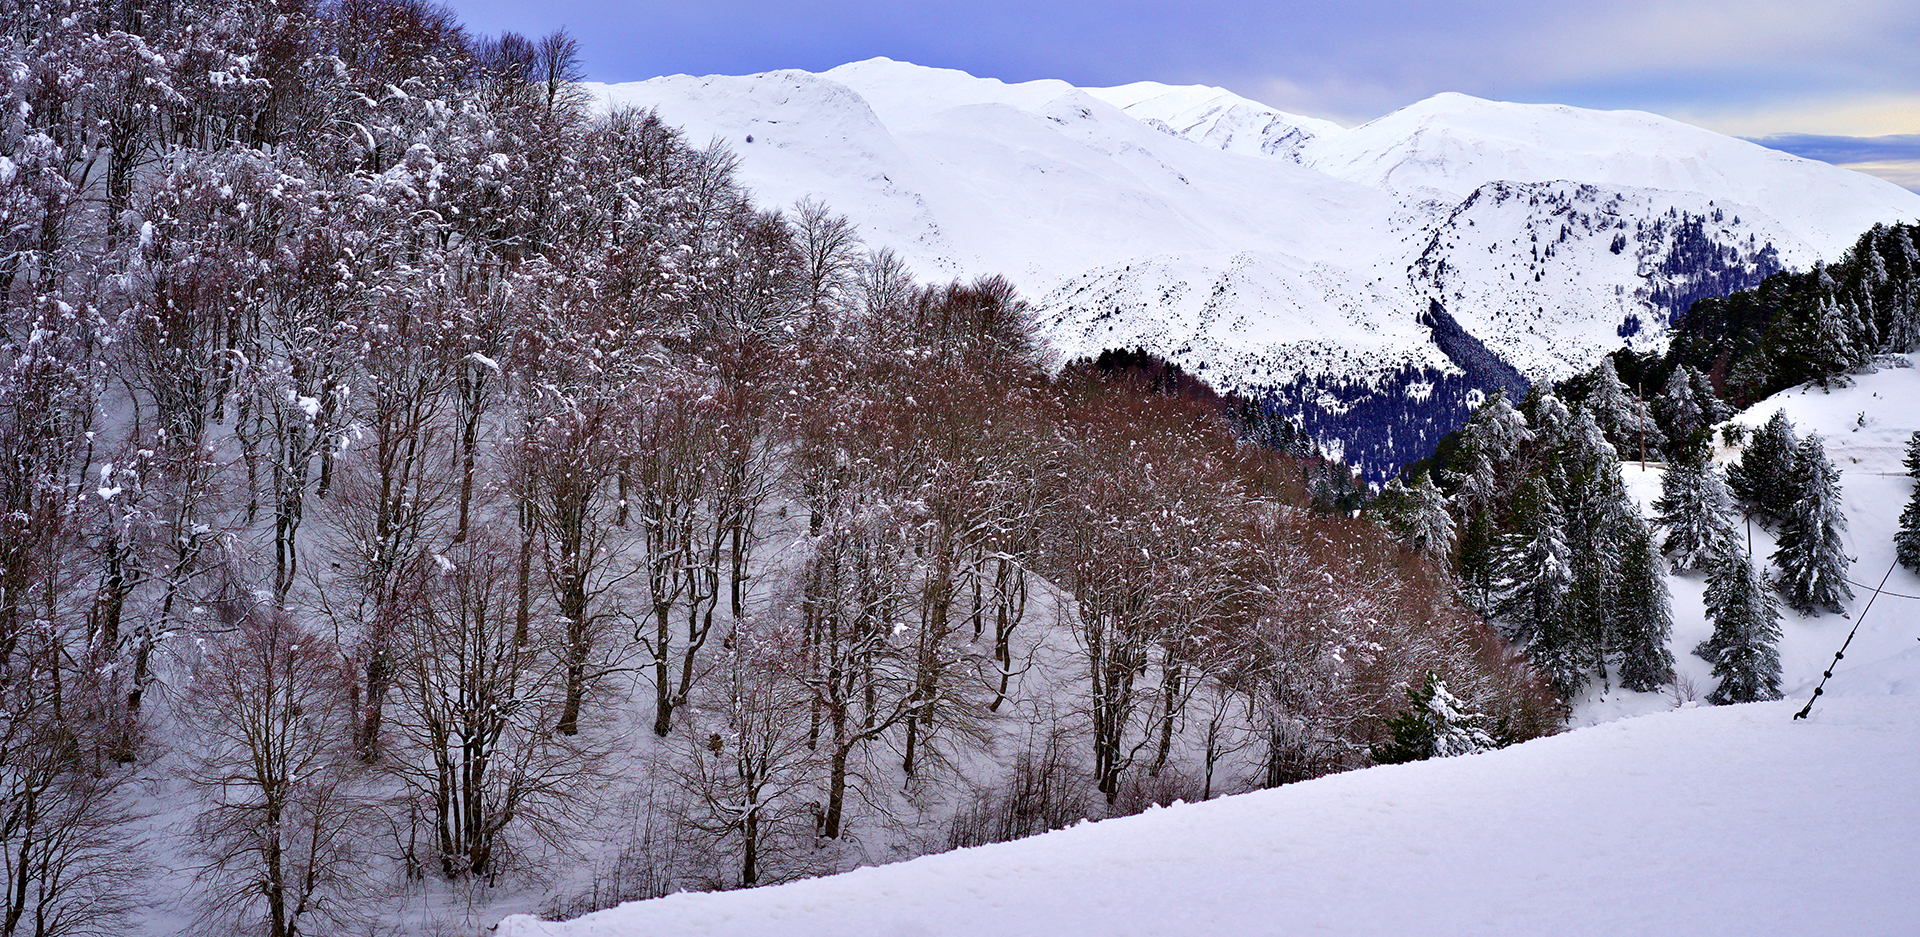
(1477, 562)
(1549, 418)
(1538, 579)
(1436, 725)
(1810, 556)
(1429, 525)
(1906, 542)
(1827, 352)
(1761, 481)
(1599, 519)
(1642, 616)
(1491, 438)
(1534, 574)
(1713, 410)
(1680, 410)
(1695, 509)
(1627, 420)
(1744, 647)
(1392, 506)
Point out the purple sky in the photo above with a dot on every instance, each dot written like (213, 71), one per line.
(1755, 68)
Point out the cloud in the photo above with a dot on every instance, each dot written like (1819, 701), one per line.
(1905, 174)
(1894, 157)
(1350, 60)
(1893, 148)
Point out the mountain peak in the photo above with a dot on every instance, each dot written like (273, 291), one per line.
(1272, 249)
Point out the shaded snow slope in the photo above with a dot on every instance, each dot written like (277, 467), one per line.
(1700, 821)
(1213, 229)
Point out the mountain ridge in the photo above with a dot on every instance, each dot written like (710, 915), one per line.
(1267, 249)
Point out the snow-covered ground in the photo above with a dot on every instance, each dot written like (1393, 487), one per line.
(1213, 229)
(1702, 821)
(1657, 816)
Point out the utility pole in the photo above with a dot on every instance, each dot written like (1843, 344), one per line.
(1640, 395)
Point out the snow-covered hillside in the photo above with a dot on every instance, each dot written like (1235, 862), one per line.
(1138, 188)
(1702, 821)
(1262, 248)
(1657, 815)
(1865, 428)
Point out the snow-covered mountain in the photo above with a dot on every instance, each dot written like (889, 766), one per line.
(1271, 252)
(1656, 815)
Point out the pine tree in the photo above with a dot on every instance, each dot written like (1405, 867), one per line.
(1477, 562)
(1642, 616)
(1436, 725)
(1810, 556)
(1491, 438)
(1539, 579)
(1627, 419)
(1762, 478)
(1827, 352)
(1679, 408)
(1906, 542)
(1694, 508)
(1744, 647)
(1713, 410)
(1429, 525)
(1599, 520)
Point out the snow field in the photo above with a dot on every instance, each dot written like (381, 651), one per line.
(1702, 821)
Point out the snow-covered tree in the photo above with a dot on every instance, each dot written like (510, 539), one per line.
(1600, 519)
(1812, 560)
(1488, 443)
(280, 832)
(1694, 508)
(1626, 418)
(1744, 647)
(1906, 542)
(1680, 408)
(1478, 562)
(1420, 517)
(1762, 480)
(1642, 615)
(1432, 530)
(1538, 576)
(1437, 724)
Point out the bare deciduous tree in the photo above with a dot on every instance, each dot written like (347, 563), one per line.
(283, 828)
(478, 720)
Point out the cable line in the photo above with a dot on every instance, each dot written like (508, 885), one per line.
(1896, 595)
(1841, 654)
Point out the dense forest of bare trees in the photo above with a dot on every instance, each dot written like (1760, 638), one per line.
(387, 432)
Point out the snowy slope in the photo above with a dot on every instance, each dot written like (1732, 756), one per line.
(1451, 143)
(1215, 229)
(1865, 428)
(1218, 118)
(1700, 821)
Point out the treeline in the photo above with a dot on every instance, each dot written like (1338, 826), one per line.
(1798, 327)
(385, 430)
(1332, 484)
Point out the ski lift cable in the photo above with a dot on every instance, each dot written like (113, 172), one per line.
(1896, 595)
(1841, 654)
